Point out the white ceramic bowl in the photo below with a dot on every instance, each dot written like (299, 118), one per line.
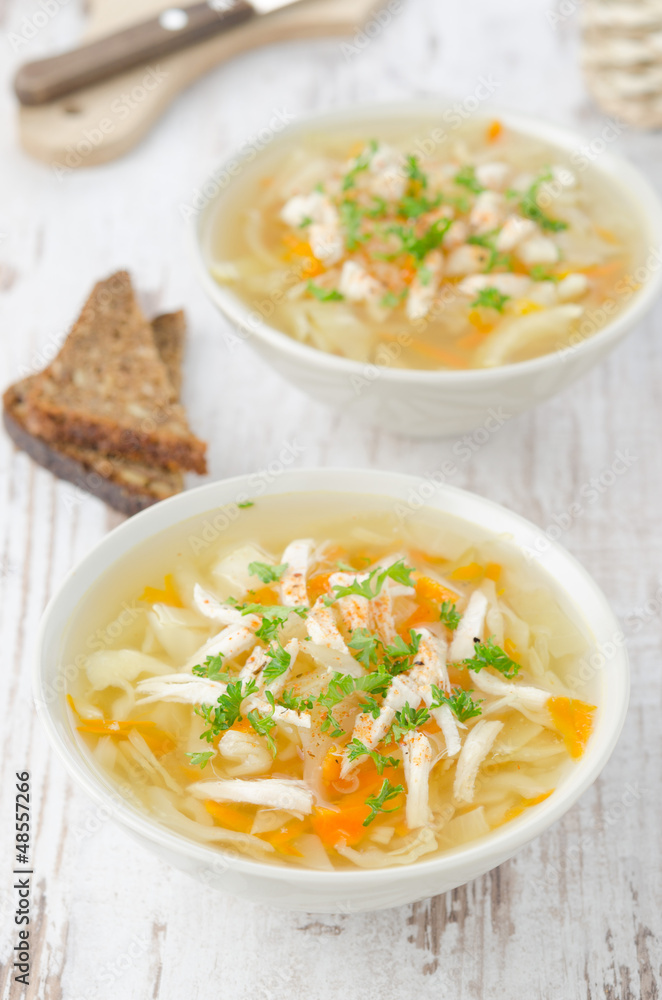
(430, 403)
(352, 890)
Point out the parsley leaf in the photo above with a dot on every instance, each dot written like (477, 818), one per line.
(266, 573)
(362, 162)
(203, 758)
(351, 217)
(372, 585)
(366, 646)
(279, 662)
(414, 172)
(486, 654)
(212, 669)
(466, 177)
(288, 699)
(324, 294)
(461, 702)
(539, 272)
(358, 749)
(376, 802)
(408, 719)
(530, 208)
(449, 616)
(273, 617)
(496, 259)
(420, 246)
(263, 724)
(490, 298)
(341, 686)
(399, 654)
(227, 709)
(246, 503)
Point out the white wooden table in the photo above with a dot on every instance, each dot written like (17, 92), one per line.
(576, 914)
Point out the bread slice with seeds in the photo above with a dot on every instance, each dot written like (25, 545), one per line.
(108, 389)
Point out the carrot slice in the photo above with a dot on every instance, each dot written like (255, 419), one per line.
(574, 721)
(346, 824)
(168, 595)
(525, 804)
(428, 589)
(494, 130)
(493, 571)
(230, 816)
(469, 573)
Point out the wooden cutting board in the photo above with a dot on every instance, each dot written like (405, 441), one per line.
(103, 122)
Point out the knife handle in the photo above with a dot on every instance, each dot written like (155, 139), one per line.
(176, 28)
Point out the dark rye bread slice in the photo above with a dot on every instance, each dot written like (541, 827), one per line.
(108, 388)
(127, 486)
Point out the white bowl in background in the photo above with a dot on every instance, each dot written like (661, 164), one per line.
(416, 402)
(348, 890)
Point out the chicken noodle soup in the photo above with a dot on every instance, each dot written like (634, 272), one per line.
(483, 249)
(374, 688)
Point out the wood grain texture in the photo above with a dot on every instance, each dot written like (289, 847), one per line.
(574, 915)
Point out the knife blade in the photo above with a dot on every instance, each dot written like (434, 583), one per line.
(175, 28)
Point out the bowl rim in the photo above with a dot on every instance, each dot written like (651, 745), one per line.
(489, 850)
(619, 170)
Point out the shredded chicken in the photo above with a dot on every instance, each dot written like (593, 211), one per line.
(279, 793)
(474, 751)
(417, 761)
(293, 592)
(471, 627)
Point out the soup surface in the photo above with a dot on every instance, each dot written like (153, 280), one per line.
(426, 249)
(368, 689)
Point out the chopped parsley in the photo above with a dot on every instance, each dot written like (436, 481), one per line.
(414, 172)
(246, 503)
(460, 701)
(466, 177)
(227, 709)
(490, 298)
(356, 749)
(361, 163)
(289, 699)
(279, 663)
(539, 272)
(341, 686)
(530, 208)
(413, 206)
(449, 615)
(399, 655)
(212, 669)
(267, 573)
(372, 585)
(376, 802)
(496, 259)
(420, 246)
(202, 759)
(273, 617)
(408, 719)
(351, 218)
(486, 654)
(324, 294)
(264, 723)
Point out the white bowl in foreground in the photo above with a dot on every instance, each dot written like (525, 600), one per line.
(340, 890)
(431, 403)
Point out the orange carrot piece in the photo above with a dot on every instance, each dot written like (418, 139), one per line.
(493, 571)
(438, 354)
(345, 824)
(168, 595)
(229, 816)
(574, 721)
(471, 572)
(317, 586)
(525, 804)
(510, 648)
(428, 589)
(494, 130)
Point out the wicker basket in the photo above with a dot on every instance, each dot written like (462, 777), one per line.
(622, 58)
